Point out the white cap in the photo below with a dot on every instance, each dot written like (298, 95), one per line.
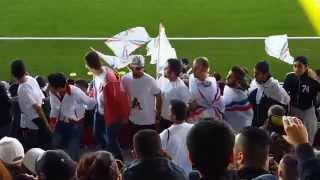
(137, 61)
(11, 151)
(31, 158)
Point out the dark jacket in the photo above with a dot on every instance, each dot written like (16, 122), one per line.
(309, 165)
(229, 175)
(260, 110)
(5, 107)
(250, 173)
(302, 90)
(154, 169)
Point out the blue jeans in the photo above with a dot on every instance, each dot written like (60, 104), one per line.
(67, 136)
(107, 136)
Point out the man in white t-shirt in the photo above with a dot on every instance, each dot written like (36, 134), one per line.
(36, 131)
(68, 104)
(173, 139)
(205, 93)
(172, 87)
(143, 92)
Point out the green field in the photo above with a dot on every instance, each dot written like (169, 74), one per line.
(182, 18)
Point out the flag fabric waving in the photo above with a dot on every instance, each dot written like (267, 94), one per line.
(124, 43)
(113, 61)
(160, 50)
(277, 46)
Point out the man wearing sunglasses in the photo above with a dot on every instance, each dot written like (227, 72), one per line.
(303, 85)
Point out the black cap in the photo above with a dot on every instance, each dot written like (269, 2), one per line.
(56, 164)
(263, 67)
(301, 59)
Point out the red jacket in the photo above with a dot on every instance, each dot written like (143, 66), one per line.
(116, 107)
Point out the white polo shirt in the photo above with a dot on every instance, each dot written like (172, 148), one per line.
(142, 92)
(174, 142)
(175, 90)
(29, 94)
(71, 106)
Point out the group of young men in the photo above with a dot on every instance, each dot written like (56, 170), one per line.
(162, 104)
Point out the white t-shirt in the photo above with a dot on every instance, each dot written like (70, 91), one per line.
(71, 106)
(142, 92)
(174, 142)
(29, 94)
(99, 83)
(175, 90)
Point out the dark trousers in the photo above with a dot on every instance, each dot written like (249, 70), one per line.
(107, 136)
(67, 136)
(164, 124)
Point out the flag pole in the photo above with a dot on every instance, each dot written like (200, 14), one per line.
(159, 54)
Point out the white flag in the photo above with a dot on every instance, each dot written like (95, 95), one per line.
(124, 43)
(277, 46)
(160, 50)
(114, 61)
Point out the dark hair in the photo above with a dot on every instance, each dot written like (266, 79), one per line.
(41, 81)
(18, 69)
(263, 67)
(175, 66)
(290, 166)
(240, 74)
(82, 83)
(147, 143)
(93, 60)
(217, 76)
(13, 89)
(56, 164)
(203, 61)
(210, 144)
(57, 80)
(185, 61)
(255, 144)
(179, 109)
(301, 59)
(98, 165)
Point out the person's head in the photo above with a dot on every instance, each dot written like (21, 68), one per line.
(147, 144)
(252, 148)
(288, 168)
(55, 164)
(98, 165)
(201, 68)
(18, 69)
(262, 72)
(137, 66)
(82, 84)
(236, 77)
(57, 83)
(93, 62)
(210, 145)
(41, 81)
(31, 158)
(274, 121)
(11, 151)
(300, 65)
(178, 111)
(185, 62)
(13, 89)
(172, 69)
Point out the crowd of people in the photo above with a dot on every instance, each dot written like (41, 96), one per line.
(184, 124)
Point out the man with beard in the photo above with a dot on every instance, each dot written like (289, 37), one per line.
(238, 110)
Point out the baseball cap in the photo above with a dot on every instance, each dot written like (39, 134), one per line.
(56, 164)
(137, 61)
(11, 150)
(31, 158)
